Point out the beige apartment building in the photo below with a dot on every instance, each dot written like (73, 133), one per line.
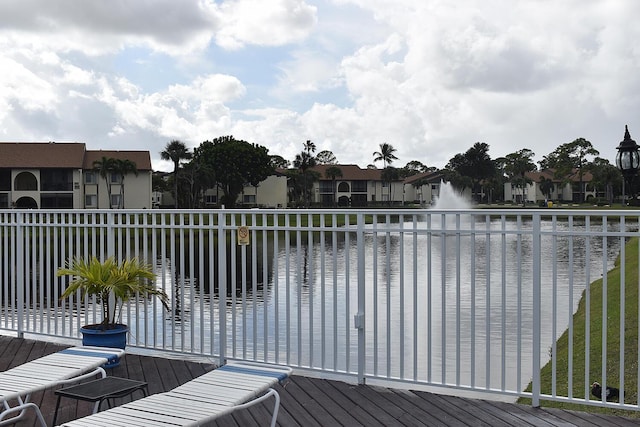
(54, 175)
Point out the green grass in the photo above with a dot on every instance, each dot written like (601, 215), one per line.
(581, 385)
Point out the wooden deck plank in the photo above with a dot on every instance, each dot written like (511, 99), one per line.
(312, 402)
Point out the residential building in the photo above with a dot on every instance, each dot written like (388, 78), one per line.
(423, 188)
(532, 193)
(61, 176)
(356, 187)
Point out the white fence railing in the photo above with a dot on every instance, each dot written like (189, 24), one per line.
(465, 299)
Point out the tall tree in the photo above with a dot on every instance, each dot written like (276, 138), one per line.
(309, 147)
(516, 166)
(105, 167)
(333, 172)
(606, 177)
(176, 151)
(386, 154)
(326, 157)
(475, 164)
(546, 186)
(235, 163)
(304, 162)
(569, 158)
(123, 167)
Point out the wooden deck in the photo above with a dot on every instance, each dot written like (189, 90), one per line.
(313, 402)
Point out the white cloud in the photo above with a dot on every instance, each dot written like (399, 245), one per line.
(429, 77)
(265, 23)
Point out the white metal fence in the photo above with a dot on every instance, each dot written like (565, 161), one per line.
(465, 299)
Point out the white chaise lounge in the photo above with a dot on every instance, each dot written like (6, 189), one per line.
(64, 367)
(233, 386)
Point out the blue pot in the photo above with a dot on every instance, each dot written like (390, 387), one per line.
(115, 336)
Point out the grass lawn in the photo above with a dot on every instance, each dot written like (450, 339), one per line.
(594, 296)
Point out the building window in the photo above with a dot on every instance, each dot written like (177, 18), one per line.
(56, 200)
(211, 199)
(26, 181)
(326, 186)
(115, 200)
(56, 179)
(5, 180)
(343, 187)
(249, 199)
(116, 178)
(91, 200)
(90, 177)
(358, 187)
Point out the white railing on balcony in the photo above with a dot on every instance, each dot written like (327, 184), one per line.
(472, 300)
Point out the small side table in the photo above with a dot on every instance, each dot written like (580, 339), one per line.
(100, 390)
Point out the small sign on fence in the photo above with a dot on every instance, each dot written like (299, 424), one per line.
(243, 235)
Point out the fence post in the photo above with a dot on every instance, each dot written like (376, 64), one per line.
(359, 318)
(111, 234)
(21, 245)
(537, 294)
(222, 286)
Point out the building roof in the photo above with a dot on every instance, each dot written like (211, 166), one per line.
(41, 155)
(424, 178)
(63, 155)
(142, 159)
(350, 173)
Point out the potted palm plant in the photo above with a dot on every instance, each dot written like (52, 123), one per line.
(113, 284)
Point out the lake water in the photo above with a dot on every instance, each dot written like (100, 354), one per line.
(435, 317)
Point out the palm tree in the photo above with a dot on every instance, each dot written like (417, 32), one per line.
(309, 147)
(124, 167)
(333, 172)
(105, 167)
(385, 154)
(175, 151)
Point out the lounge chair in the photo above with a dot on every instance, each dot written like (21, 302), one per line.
(233, 386)
(66, 366)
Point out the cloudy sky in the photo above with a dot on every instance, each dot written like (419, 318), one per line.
(430, 77)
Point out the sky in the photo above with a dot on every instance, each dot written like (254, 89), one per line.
(429, 77)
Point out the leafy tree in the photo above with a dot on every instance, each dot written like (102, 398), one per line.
(458, 181)
(605, 176)
(474, 164)
(279, 162)
(234, 163)
(326, 157)
(300, 185)
(516, 165)
(569, 157)
(105, 167)
(176, 151)
(333, 172)
(158, 183)
(546, 186)
(386, 154)
(195, 178)
(415, 167)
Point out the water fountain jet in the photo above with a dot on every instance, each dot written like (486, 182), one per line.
(449, 198)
